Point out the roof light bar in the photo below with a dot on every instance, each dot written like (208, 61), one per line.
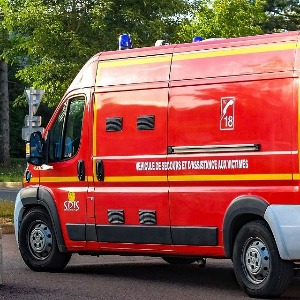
(197, 39)
(125, 42)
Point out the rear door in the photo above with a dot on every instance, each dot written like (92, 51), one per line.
(129, 154)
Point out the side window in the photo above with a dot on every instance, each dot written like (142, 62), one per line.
(64, 137)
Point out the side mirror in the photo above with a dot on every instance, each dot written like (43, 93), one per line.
(35, 155)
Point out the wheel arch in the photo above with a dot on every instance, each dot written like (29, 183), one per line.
(241, 211)
(40, 197)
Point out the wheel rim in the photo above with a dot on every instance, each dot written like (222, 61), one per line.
(40, 240)
(256, 260)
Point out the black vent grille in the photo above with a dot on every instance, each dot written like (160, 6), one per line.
(116, 216)
(114, 124)
(147, 217)
(145, 122)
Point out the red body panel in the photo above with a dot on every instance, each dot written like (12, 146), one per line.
(166, 180)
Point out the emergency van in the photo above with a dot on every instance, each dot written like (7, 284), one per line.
(184, 152)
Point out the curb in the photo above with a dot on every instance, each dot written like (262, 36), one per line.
(11, 185)
(7, 228)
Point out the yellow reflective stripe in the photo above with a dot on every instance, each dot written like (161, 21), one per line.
(107, 179)
(197, 54)
(33, 180)
(59, 179)
(136, 179)
(296, 176)
(130, 62)
(241, 177)
(234, 51)
(135, 61)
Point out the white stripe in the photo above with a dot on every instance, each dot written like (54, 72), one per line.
(235, 154)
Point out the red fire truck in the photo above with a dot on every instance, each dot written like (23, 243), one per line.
(184, 152)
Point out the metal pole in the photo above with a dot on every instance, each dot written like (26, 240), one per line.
(30, 117)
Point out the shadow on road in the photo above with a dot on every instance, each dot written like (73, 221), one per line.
(187, 275)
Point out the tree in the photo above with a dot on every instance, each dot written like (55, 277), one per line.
(4, 113)
(16, 113)
(282, 15)
(4, 100)
(54, 39)
(224, 19)
(146, 20)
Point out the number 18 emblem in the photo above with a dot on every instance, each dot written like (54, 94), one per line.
(227, 113)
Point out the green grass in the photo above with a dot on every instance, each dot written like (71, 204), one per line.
(6, 216)
(14, 172)
(7, 209)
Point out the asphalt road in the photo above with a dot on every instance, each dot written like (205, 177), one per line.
(8, 194)
(126, 278)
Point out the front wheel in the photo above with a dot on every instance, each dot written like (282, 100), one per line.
(38, 245)
(257, 265)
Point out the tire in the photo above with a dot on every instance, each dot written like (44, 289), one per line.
(258, 267)
(38, 245)
(173, 260)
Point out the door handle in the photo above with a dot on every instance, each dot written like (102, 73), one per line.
(100, 170)
(81, 170)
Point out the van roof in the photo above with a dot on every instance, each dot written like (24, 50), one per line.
(86, 76)
(205, 44)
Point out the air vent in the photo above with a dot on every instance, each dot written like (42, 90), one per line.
(145, 122)
(147, 217)
(116, 216)
(114, 124)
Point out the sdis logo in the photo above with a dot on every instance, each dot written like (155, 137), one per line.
(71, 204)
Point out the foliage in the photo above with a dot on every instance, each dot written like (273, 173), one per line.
(145, 20)
(53, 39)
(14, 172)
(3, 33)
(224, 19)
(46, 42)
(17, 113)
(50, 39)
(4, 97)
(282, 15)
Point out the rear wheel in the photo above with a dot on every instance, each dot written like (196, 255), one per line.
(38, 245)
(257, 265)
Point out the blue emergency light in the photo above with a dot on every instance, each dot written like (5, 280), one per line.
(125, 42)
(197, 39)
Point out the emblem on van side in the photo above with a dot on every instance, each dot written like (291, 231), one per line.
(227, 113)
(71, 204)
